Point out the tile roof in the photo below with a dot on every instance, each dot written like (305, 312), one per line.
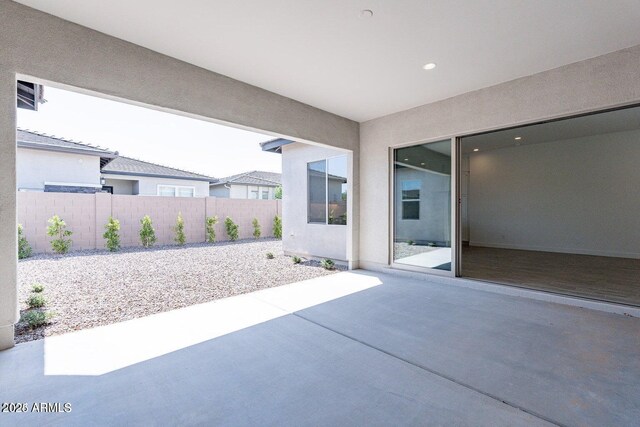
(127, 166)
(253, 178)
(27, 138)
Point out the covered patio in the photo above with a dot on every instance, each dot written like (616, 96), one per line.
(352, 348)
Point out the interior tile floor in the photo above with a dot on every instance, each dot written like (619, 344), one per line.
(596, 277)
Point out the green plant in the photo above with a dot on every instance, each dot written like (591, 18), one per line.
(58, 230)
(210, 223)
(256, 228)
(410, 242)
(328, 264)
(296, 259)
(277, 193)
(270, 255)
(36, 318)
(277, 227)
(232, 229)
(36, 301)
(37, 288)
(147, 233)
(24, 249)
(111, 234)
(181, 238)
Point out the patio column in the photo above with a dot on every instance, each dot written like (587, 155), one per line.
(8, 216)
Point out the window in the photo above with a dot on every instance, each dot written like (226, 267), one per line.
(327, 188)
(176, 191)
(265, 194)
(253, 193)
(411, 199)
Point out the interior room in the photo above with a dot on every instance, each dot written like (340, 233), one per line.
(554, 206)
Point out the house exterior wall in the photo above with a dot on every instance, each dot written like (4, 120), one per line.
(122, 186)
(240, 191)
(87, 214)
(219, 191)
(606, 81)
(35, 167)
(298, 236)
(94, 62)
(148, 186)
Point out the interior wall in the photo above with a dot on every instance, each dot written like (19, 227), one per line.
(54, 50)
(575, 196)
(602, 82)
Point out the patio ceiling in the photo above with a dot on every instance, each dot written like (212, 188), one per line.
(326, 54)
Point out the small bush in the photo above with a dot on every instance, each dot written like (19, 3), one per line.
(296, 259)
(147, 233)
(210, 223)
(24, 249)
(112, 234)
(232, 229)
(181, 238)
(37, 288)
(328, 264)
(36, 318)
(410, 242)
(58, 230)
(277, 193)
(277, 227)
(256, 228)
(36, 301)
(270, 255)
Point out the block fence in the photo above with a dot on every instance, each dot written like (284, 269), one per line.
(87, 214)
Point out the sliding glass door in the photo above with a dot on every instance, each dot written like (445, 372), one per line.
(422, 180)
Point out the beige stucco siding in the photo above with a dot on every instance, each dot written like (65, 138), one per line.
(35, 167)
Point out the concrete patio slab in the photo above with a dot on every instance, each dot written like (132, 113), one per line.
(347, 349)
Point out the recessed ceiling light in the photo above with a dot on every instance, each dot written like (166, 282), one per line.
(406, 160)
(518, 138)
(429, 66)
(422, 163)
(366, 13)
(476, 149)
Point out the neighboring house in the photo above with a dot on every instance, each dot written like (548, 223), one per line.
(248, 185)
(51, 164)
(124, 175)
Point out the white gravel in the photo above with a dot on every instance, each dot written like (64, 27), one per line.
(91, 288)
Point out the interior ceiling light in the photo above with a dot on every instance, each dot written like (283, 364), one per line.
(422, 164)
(476, 149)
(429, 66)
(518, 138)
(366, 13)
(406, 160)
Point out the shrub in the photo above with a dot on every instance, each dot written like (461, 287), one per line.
(37, 288)
(58, 230)
(270, 255)
(296, 259)
(181, 238)
(277, 227)
(36, 301)
(24, 249)
(36, 318)
(277, 194)
(328, 264)
(147, 233)
(210, 223)
(256, 228)
(232, 229)
(410, 242)
(111, 234)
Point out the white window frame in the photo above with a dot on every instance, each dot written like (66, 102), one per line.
(175, 190)
(326, 189)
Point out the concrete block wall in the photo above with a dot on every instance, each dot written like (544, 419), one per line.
(87, 214)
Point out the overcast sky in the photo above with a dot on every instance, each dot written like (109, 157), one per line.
(150, 135)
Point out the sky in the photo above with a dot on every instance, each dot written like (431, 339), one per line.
(150, 135)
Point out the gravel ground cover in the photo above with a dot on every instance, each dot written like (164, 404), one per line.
(91, 288)
(403, 249)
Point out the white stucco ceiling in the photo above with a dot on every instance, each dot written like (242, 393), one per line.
(321, 52)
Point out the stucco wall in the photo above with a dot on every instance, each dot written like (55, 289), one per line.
(602, 82)
(299, 237)
(148, 186)
(93, 62)
(573, 196)
(86, 215)
(122, 186)
(219, 191)
(35, 167)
